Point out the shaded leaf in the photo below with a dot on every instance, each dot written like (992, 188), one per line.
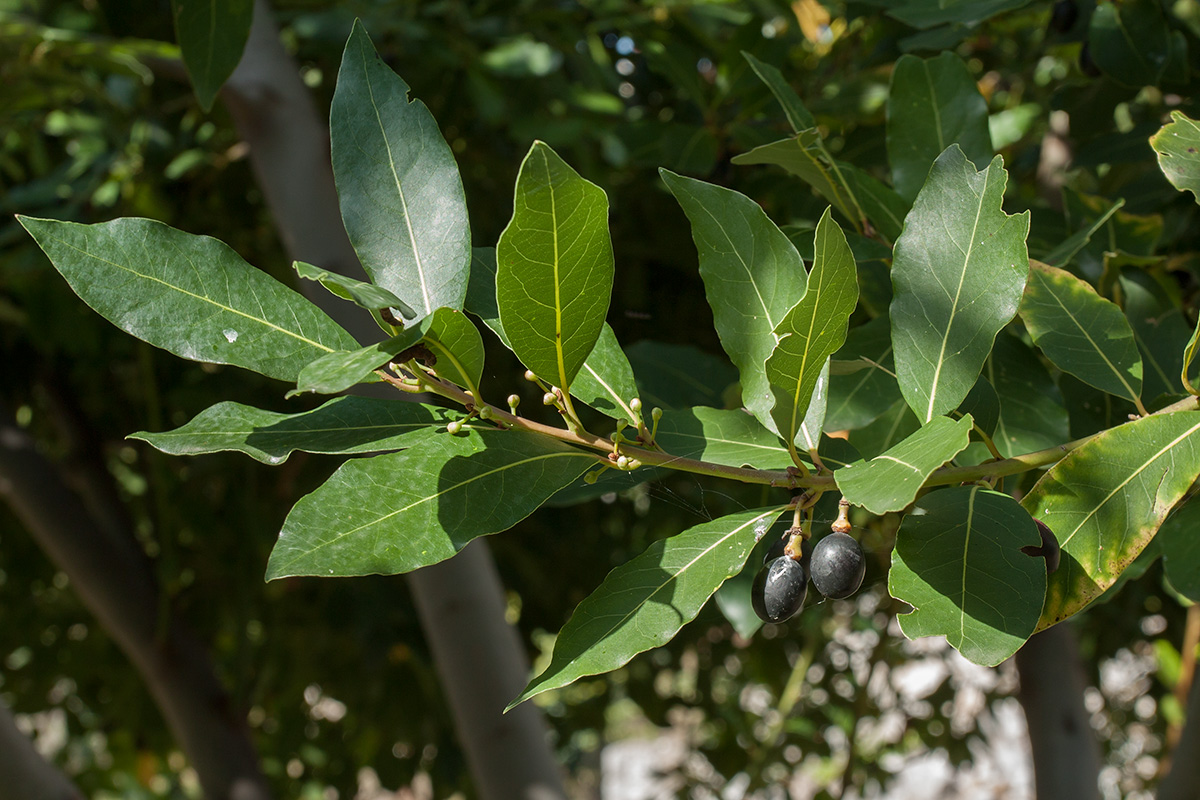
(983, 404)
(1032, 415)
(890, 427)
(798, 115)
(400, 511)
(1189, 353)
(752, 277)
(398, 186)
(958, 274)
(1105, 500)
(812, 331)
(933, 103)
(1181, 549)
(554, 267)
(1081, 332)
(212, 35)
(679, 375)
(481, 291)
(958, 563)
(344, 425)
(1178, 146)
(643, 603)
(338, 371)
(856, 398)
(190, 295)
(889, 482)
(1161, 333)
(928, 13)
(606, 381)
(1130, 42)
(363, 294)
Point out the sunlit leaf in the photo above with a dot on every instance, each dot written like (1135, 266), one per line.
(732, 437)
(958, 563)
(398, 186)
(890, 481)
(344, 425)
(1081, 332)
(400, 511)
(752, 277)
(554, 267)
(643, 603)
(933, 103)
(190, 295)
(1105, 500)
(455, 343)
(606, 380)
(958, 274)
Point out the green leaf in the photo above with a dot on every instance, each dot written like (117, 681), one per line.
(643, 603)
(812, 330)
(1032, 414)
(606, 381)
(1178, 146)
(856, 398)
(190, 295)
(890, 427)
(1181, 549)
(752, 277)
(1081, 332)
(455, 343)
(1161, 333)
(554, 267)
(733, 438)
(212, 35)
(344, 425)
(929, 13)
(1130, 43)
(679, 375)
(1189, 353)
(1066, 250)
(889, 482)
(362, 294)
(958, 274)
(1105, 500)
(933, 103)
(481, 291)
(398, 186)
(852, 192)
(793, 107)
(958, 563)
(400, 511)
(337, 372)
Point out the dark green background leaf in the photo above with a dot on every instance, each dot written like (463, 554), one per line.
(212, 35)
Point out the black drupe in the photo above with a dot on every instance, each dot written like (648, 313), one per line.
(838, 565)
(779, 589)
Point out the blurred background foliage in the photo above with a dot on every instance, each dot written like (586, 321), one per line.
(98, 121)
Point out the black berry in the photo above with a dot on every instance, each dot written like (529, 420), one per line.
(838, 565)
(779, 589)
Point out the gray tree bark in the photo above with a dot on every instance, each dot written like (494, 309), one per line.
(115, 581)
(1066, 755)
(479, 658)
(1182, 782)
(24, 774)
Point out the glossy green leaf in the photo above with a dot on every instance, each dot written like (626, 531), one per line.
(361, 293)
(890, 481)
(808, 436)
(1178, 146)
(212, 35)
(1105, 500)
(399, 189)
(730, 437)
(1181, 549)
(554, 267)
(929, 13)
(190, 295)
(680, 375)
(856, 195)
(481, 291)
(933, 103)
(958, 563)
(752, 277)
(885, 431)
(606, 381)
(812, 330)
(455, 343)
(400, 511)
(958, 274)
(798, 115)
(643, 603)
(1130, 42)
(1081, 332)
(856, 398)
(338, 371)
(344, 425)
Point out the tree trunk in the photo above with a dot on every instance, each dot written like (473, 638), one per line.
(115, 581)
(24, 774)
(479, 658)
(1182, 782)
(1066, 756)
